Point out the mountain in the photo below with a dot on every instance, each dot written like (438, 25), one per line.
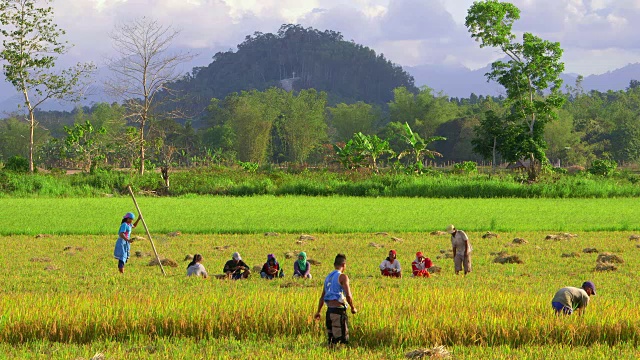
(459, 81)
(308, 57)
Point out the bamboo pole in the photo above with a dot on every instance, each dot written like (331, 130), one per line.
(146, 229)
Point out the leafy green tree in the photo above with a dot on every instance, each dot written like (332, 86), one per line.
(534, 67)
(424, 111)
(252, 117)
(83, 144)
(303, 122)
(31, 47)
(352, 118)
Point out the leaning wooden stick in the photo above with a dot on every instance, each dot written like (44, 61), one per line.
(147, 230)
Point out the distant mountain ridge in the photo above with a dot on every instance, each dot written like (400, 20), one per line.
(459, 81)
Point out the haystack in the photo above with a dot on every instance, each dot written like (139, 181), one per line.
(634, 237)
(606, 267)
(570, 255)
(438, 233)
(165, 262)
(256, 268)
(314, 262)
(42, 259)
(519, 241)
(289, 255)
(500, 253)
(299, 242)
(438, 352)
(590, 250)
(39, 236)
(188, 257)
(508, 259)
(142, 254)
(382, 233)
(609, 258)
(271, 233)
(377, 246)
(306, 237)
(489, 235)
(291, 284)
(434, 269)
(67, 248)
(397, 239)
(220, 248)
(51, 268)
(174, 234)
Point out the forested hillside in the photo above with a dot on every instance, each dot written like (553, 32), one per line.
(321, 60)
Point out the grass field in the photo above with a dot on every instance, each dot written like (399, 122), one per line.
(295, 214)
(81, 305)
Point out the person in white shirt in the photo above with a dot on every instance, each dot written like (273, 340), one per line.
(461, 249)
(391, 266)
(195, 267)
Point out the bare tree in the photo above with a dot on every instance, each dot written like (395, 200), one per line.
(142, 69)
(31, 47)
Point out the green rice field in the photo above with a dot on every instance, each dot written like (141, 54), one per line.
(250, 215)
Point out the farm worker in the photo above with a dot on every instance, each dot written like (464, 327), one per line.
(391, 266)
(236, 268)
(271, 269)
(420, 265)
(301, 267)
(461, 249)
(196, 268)
(569, 299)
(123, 244)
(336, 293)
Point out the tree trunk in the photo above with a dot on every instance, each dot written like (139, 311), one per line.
(493, 164)
(142, 146)
(32, 125)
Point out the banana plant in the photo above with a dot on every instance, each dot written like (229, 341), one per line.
(418, 147)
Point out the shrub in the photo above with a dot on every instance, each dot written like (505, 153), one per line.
(17, 164)
(606, 168)
(466, 167)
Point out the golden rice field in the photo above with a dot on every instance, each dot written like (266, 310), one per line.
(71, 304)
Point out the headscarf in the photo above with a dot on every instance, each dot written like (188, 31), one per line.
(271, 256)
(391, 260)
(302, 264)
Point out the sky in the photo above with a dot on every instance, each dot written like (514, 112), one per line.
(597, 35)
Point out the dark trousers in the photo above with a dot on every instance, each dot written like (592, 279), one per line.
(337, 325)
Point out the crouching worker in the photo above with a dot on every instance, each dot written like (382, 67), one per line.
(336, 293)
(271, 269)
(421, 265)
(570, 299)
(236, 268)
(195, 267)
(302, 268)
(391, 266)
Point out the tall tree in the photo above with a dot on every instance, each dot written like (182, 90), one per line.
(31, 45)
(142, 69)
(350, 119)
(533, 67)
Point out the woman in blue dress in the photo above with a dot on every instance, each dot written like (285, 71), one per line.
(123, 244)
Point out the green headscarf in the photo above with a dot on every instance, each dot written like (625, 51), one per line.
(302, 264)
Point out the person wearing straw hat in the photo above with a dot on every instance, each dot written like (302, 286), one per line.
(461, 250)
(570, 299)
(123, 244)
